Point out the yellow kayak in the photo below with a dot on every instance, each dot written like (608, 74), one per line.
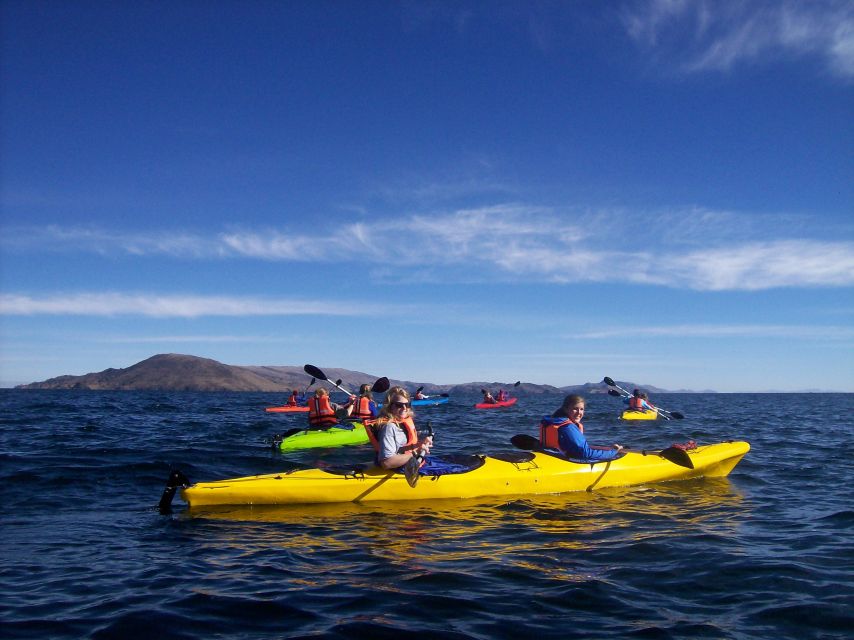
(511, 474)
(632, 414)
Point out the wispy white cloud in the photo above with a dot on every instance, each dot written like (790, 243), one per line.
(516, 242)
(178, 306)
(720, 34)
(220, 339)
(723, 331)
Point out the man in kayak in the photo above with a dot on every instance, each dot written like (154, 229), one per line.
(564, 431)
(294, 400)
(487, 397)
(394, 436)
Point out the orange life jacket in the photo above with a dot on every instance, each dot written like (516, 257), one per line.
(372, 428)
(548, 431)
(635, 403)
(320, 412)
(362, 408)
(292, 401)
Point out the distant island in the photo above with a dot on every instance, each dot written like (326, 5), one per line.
(177, 372)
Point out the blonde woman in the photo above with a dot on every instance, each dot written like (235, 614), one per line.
(393, 435)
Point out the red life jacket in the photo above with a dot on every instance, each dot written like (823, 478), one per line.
(635, 403)
(320, 412)
(372, 428)
(362, 408)
(502, 396)
(292, 401)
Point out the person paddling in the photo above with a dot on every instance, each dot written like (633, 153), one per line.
(293, 401)
(638, 401)
(487, 397)
(564, 431)
(502, 395)
(393, 435)
(362, 407)
(321, 411)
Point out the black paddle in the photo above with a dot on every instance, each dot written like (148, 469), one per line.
(610, 382)
(671, 454)
(313, 371)
(410, 469)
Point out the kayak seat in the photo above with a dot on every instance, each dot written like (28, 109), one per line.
(450, 464)
(513, 456)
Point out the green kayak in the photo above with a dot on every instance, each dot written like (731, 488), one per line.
(341, 435)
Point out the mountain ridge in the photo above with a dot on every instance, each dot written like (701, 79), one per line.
(180, 372)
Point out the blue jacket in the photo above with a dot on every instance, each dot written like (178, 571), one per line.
(574, 445)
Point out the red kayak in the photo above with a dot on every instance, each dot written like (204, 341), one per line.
(286, 409)
(494, 405)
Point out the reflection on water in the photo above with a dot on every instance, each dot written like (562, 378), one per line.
(569, 518)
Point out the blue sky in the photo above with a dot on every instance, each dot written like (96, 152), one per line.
(657, 191)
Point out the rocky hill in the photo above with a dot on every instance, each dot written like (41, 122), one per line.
(176, 372)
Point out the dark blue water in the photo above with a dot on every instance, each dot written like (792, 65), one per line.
(766, 553)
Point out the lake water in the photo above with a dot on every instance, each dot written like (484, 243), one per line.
(766, 553)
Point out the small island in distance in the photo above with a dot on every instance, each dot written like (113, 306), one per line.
(177, 372)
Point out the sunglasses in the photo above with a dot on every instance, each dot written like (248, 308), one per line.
(400, 405)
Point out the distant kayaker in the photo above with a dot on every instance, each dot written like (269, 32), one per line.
(564, 431)
(502, 396)
(294, 399)
(487, 397)
(321, 411)
(638, 401)
(419, 395)
(362, 407)
(394, 436)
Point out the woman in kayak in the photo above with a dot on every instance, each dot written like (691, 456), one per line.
(362, 407)
(394, 435)
(487, 397)
(563, 431)
(502, 396)
(294, 399)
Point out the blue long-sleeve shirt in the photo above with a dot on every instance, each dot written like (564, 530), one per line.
(574, 445)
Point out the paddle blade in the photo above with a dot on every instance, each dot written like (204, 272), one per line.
(608, 381)
(410, 471)
(677, 415)
(677, 456)
(518, 382)
(381, 385)
(525, 442)
(444, 395)
(314, 372)
(613, 392)
(419, 389)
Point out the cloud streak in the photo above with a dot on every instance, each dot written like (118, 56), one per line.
(720, 34)
(178, 306)
(723, 331)
(516, 242)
